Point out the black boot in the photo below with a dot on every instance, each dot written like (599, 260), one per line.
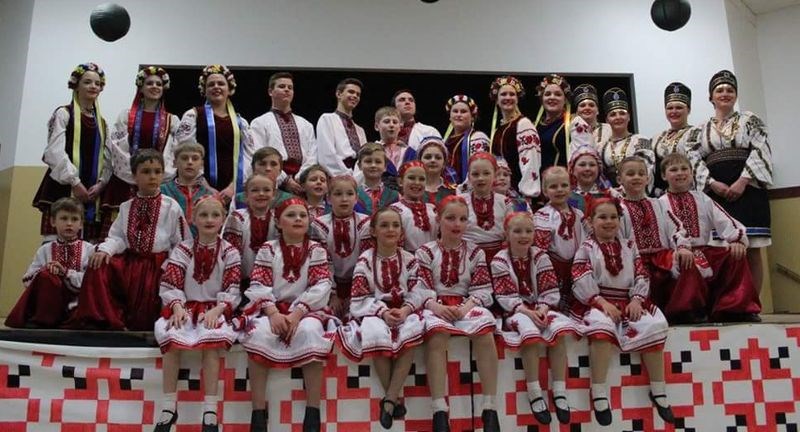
(311, 422)
(258, 421)
(490, 421)
(441, 421)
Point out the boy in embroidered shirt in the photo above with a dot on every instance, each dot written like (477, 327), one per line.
(372, 192)
(186, 188)
(387, 123)
(266, 161)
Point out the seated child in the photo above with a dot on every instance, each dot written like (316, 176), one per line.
(731, 294)
(526, 287)
(418, 217)
(502, 186)
(315, 181)
(199, 291)
(384, 325)
(187, 187)
(612, 287)
(585, 177)
(266, 161)
(486, 209)
(55, 275)
(120, 288)
(433, 154)
(373, 192)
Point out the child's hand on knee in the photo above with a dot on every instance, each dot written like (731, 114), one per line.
(211, 317)
(98, 259)
(738, 250)
(609, 309)
(634, 309)
(178, 318)
(685, 258)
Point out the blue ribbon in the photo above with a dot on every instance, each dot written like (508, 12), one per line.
(212, 144)
(465, 155)
(137, 129)
(239, 186)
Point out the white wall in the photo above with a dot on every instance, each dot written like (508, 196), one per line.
(572, 36)
(778, 38)
(746, 61)
(15, 27)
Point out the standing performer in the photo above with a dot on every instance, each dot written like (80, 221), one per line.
(280, 128)
(677, 106)
(77, 158)
(222, 132)
(732, 161)
(587, 106)
(339, 137)
(461, 139)
(621, 143)
(412, 132)
(558, 131)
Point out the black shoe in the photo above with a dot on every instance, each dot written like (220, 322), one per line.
(399, 411)
(490, 421)
(387, 416)
(563, 415)
(543, 416)
(258, 421)
(665, 412)
(210, 427)
(603, 417)
(441, 422)
(311, 421)
(165, 427)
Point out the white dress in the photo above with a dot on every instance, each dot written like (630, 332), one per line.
(526, 283)
(343, 251)
(486, 229)
(188, 281)
(307, 288)
(239, 232)
(380, 284)
(419, 227)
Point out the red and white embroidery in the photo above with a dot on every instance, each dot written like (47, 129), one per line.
(645, 224)
(142, 223)
(685, 208)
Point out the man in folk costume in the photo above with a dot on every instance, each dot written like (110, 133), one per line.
(339, 137)
(412, 132)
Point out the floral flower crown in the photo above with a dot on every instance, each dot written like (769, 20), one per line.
(499, 82)
(151, 71)
(557, 80)
(81, 69)
(473, 107)
(216, 69)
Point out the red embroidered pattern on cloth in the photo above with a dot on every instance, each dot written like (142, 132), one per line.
(232, 274)
(342, 240)
(480, 276)
(318, 272)
(451, 261)
(522, 269)
(350, 129)
(420, 212)
(174, 276)
(542, 239)
(389, 270)
(67, 254)
(546, 280)
(263, 275)
(685, 208)
(205, 259)
(645, 224)
(612, 256)
(360, 287)
(565, 229)
(484, 211)
(142, 223)
(580, 268)
(405, 131)
(504, 285)
(290, 136)
(293, 258)
(259, 228)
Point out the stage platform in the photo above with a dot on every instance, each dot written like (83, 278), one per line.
(729, 378)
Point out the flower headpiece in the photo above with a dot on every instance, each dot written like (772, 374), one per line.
(557, 80)
(150, 71)
(216, 69)
(473, 107)
(81, 69)
(499, 82)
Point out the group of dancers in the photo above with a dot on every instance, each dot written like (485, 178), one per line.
(210, 231)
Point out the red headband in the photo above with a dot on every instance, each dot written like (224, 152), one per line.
(450, 199)
(289, 202)
(408, 165)
(595, 203)
(483, 156)
(512, 215)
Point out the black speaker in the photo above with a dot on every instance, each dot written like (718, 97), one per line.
(110, 21)
(670, 15)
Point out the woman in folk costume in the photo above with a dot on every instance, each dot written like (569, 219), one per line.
(385, 324)
(516, 139)
(527, 289)
(586, 178)
(199, 291)
(587, 106)
(677, 106)
(146, 124)
(78, 160)
(224, 133)
(621, 143)
(559, 131)
(418, 216)
(612, 286)
(433, 153)
(732, 161)
(289, 288)
(461, 139)
(454, 280)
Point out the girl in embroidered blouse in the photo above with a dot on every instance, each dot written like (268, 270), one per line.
(526, 288)
(419, 217)
(586, 179)
(345, 235)
(433, 154)
(612, 286)
(249, 228)
(315, 181)
(199, 291)
(559, 230)
(289, 288)
(502, 185)
(384, 324)
(454, 280)
(486, 208)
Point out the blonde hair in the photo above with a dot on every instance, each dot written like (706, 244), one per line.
(189, 147)
(551, 172)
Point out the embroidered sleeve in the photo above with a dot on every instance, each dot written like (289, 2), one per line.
(641, 279)
(365, 239)
(697, 148)
(231, 277)
(38, 264)
(308, 144)
(55, 155)
(677, 234)
(260, 293)
(584, 286)
(759, 164)
(169, 149)
(117, 142)
(408, 281)
(173, 278)
(187, 129)
(480, 284)
(246, 146)
(232, 232)
(117, 240)
(543, 234)
(423, 288)
(181, 231)
(580, 134)
(547, 285)
(727, 227)
(364, 301)
(316, 296)
(505, 287)
(530, 158)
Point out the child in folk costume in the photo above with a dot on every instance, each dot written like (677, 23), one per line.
(249, 228)
(345, 234)
(559, 230)
(454, 280)
(267, 161)
(731, 294)
(487, 209)
(387, 124)
(315, 181)
(373, 192)
(419, 217)
(54, 277)
(586, 179)
(433, 154)
(199, 290)
(675, 277)
(77, 157)
(527, 289)
(384, 324)
(120, 288)
(289, 287)
(187, 188)
(502, 185)
(612, 287)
